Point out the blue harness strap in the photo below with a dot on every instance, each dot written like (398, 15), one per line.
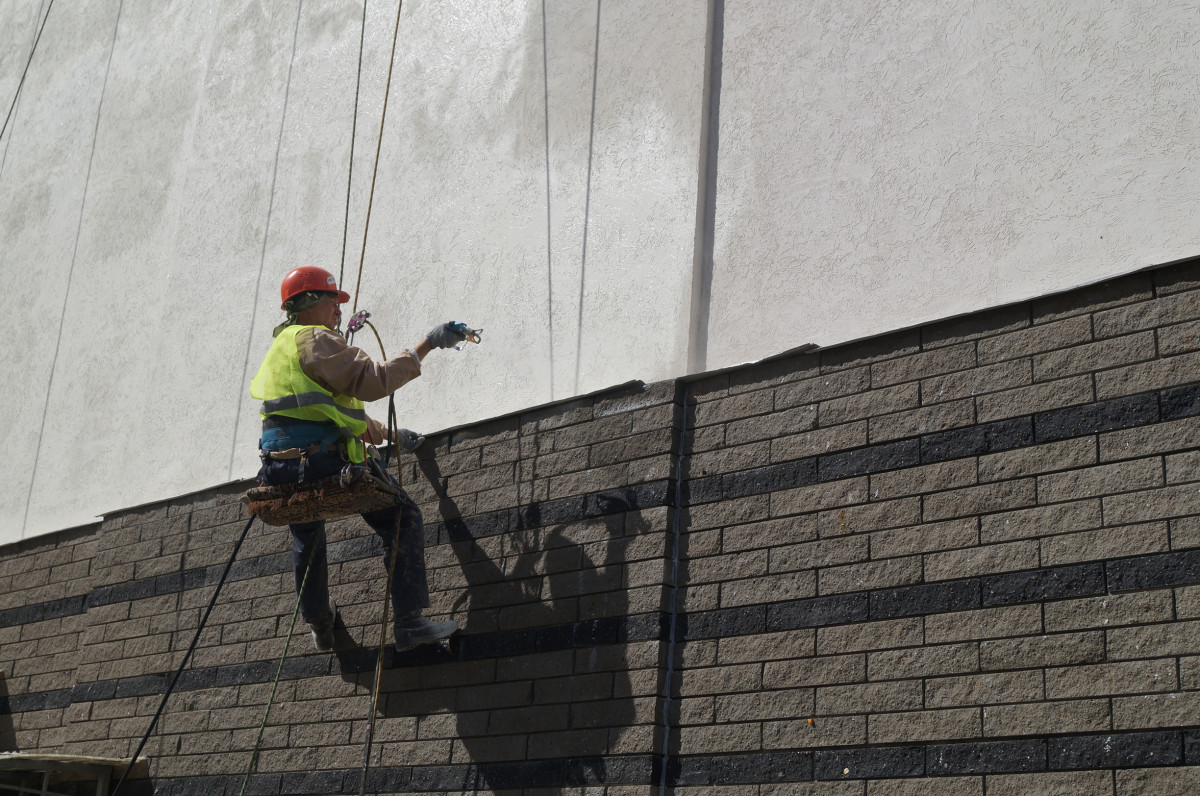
(301, 436)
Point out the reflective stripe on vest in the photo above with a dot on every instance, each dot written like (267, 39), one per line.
(286, 390)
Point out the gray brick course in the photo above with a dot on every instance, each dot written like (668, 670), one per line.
(1094, 357)
(1036, 398)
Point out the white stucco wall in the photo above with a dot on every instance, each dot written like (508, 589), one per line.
(221, 138)
(877, 164)
(884, 163)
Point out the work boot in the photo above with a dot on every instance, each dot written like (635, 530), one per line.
(413, 630)
(322, 631)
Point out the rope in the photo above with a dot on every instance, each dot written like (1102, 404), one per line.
(262, 727)
(378, 146)
(187, 657)
(21, 82)
(353, 134)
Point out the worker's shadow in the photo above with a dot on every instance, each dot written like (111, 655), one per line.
(8, 736)
(559, 689)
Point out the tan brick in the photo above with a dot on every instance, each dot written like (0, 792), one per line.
(1185, 533)
(1111, 610)
(1035, 339)
(937, 536)
(1044, 718)
(977, 381)
(868, 404)
(1175, 709)
(881, 574)
(1172, 435)
(1014, 620)
(1060, 649)
(727, 460)
(923, 661)
(887, 634)
(919, 480)
(1155, 375)
(1182, 467)
(720, 738)
(1094, 356)
(1179, 339)
(1041, 521)
(988, 498)
(1176, 638)
(823, 731)
(766, 646)
(768, 588)
(984, 689)
(721, 680)
(924, 725)
(926, 786)
(819, 441)
(1038, 459)
(822, 388)
(1133, 677)
(925, 420)
(869, 697)
(928, 363)
(1036, 398)
(1181, 781)
(1189, 673)
(763, 705)
(1147, 315)
(757, 535)
(1187, 603)
(775, 424)
(827, 670)
(870, 517)
(819, 497)
(967, 562)
(1153, 504)
(823, 553)
(1065, 783)
(1103, 480)
(1129, 540)
(729, 512)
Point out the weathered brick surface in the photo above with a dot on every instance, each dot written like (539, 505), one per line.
(959, 559)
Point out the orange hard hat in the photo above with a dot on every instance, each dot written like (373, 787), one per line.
(310, 277)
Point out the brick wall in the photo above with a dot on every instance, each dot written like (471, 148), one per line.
(957, 559)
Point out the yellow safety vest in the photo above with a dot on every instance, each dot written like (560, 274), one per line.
(285, 389)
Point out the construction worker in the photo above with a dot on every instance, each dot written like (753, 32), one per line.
(313, 385)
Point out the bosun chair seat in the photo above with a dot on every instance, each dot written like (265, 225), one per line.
(355, 491)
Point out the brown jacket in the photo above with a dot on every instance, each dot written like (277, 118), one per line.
(345, 370)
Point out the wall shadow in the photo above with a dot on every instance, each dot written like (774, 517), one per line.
(574, 679)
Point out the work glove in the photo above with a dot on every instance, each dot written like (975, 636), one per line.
(447, 335)
(408, 441)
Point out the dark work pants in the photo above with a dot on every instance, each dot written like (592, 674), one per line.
(410, 590)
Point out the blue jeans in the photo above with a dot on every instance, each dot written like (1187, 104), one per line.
(399, 527)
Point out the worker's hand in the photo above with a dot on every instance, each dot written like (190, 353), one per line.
(408, 441)
(447, 335)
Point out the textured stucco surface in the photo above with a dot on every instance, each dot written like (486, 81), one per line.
(884, 163)
(877, 165)
(220, 158)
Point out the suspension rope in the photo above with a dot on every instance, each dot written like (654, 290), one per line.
(21, 82)
(262, 727)
(378, 146)
(187, 657)
(362, 34)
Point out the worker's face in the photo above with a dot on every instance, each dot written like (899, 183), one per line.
(327, 313)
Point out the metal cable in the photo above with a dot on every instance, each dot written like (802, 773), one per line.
(262, 727)
(353, 134)
(24, 72)
(187, 657)
(378, 146)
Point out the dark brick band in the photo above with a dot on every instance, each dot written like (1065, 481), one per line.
(1024, 755)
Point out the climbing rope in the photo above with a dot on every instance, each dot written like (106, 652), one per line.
(378, 146)
(353, 134)
(21, 82)
(187, 657)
